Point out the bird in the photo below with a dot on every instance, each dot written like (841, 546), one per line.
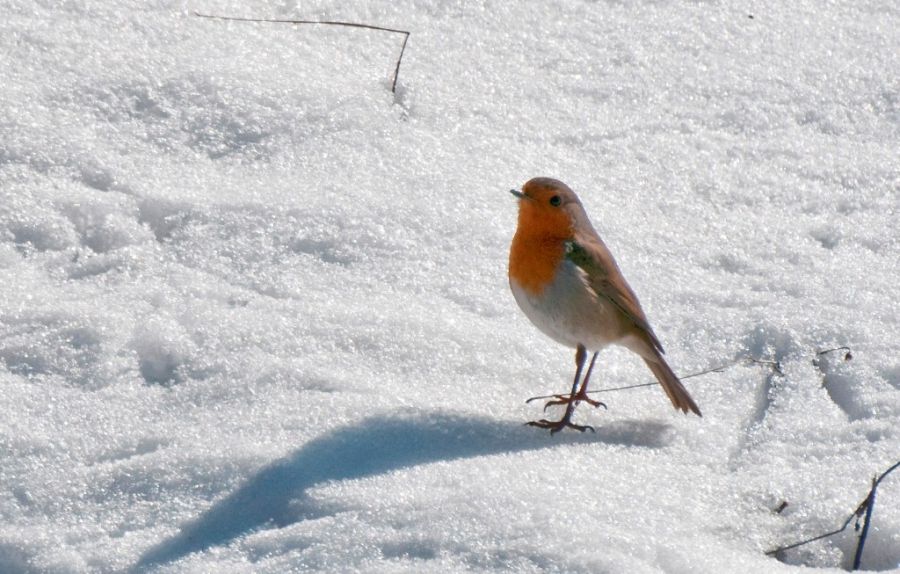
(565, 280)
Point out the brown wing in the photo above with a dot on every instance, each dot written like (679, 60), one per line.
(592, 256)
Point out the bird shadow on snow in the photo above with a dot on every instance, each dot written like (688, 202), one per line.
(377, 445)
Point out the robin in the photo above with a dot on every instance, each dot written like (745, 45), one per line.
(568, 284)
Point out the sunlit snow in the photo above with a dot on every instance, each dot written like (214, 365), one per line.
(255, 314)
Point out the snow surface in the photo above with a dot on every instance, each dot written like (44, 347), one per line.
(255, 315)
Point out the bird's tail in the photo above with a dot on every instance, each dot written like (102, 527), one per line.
(679, 395)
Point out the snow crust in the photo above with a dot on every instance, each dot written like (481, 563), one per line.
(255, 317)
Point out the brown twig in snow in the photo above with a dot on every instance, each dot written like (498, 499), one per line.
(775, 365)
(866, 506)
(847, 356)
(326, 23)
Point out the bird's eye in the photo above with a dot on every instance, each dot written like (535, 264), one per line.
(555, 201)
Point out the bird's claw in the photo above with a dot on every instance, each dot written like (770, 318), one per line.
(566, 399)
(556, 426)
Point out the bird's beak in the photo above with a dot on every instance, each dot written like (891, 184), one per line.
(519, 194)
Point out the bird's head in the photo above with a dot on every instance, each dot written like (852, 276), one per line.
(548, 207)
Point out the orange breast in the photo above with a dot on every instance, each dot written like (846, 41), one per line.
(533, 261)
(538, 246)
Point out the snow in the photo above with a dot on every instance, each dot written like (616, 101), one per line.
(255, 315)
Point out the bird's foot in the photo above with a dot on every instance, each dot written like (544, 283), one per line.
(576, 398)
(556, 426)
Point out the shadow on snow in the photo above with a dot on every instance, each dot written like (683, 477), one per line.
(377, 445)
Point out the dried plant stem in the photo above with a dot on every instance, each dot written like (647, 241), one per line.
(775, 365)
(865, 510)
(326, 23)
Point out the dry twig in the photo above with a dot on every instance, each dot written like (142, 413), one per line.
(775, 365)
(326, 23)
(866, 506)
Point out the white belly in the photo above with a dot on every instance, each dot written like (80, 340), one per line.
(570, 312)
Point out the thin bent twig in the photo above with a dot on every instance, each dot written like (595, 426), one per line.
(866, 506)
(870, 508)
(775, 365)
(325, 23)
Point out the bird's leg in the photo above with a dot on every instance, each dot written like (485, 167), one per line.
(580, 356)
(571, 401)
(582, 392)
(581, 395)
